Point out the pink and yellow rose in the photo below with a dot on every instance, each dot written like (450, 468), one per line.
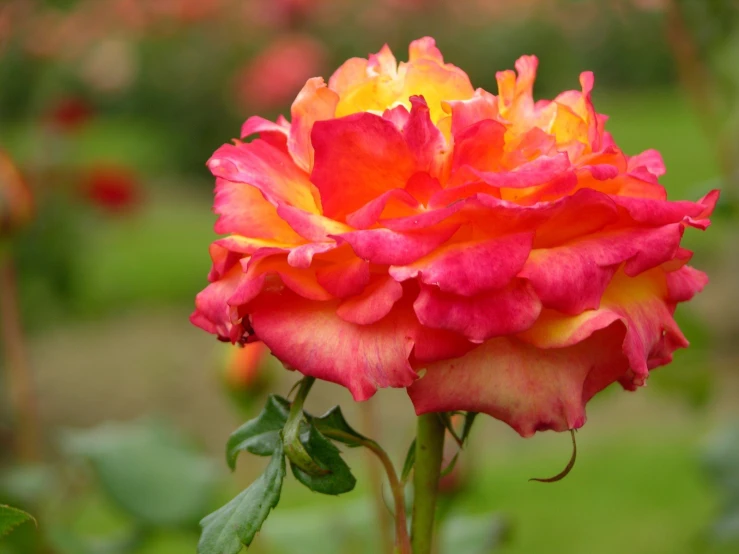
(490, 253)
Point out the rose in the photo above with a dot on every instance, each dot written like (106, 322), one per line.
(489, 253)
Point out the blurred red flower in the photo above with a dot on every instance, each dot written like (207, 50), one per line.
(70, 113)
(16, 199)
(112, 188)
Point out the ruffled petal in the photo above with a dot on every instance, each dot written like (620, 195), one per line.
(427, 75)
(275, 134)
(489, 314)
(242, 209)
(357, 158)
(471, 268)
(268, 169)
(528, 388)
(212, 311)
(386, 247)
(374, 303)
(316, 102)
(425, 142)
(684, 283)
(346, 278)
(310, 336)
(572, 278)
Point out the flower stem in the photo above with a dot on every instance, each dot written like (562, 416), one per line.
(20, 382)
(370, 429)
(402, 541)
(429, 450)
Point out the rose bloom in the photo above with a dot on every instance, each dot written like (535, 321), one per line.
(487, 252)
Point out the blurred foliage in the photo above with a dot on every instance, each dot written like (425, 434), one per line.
(148, 470)
(721, 462)
(158, 97)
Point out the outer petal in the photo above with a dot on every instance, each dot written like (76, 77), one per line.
(374, 303)
(482, 105)
(685, 283)
(268, 169)
(529, 388)
(212, 311)
(242, 209)
(357, 158)
(471, 268)
(642, 304)
(345, 278)
(386, 247)
(426, 75)
(274, 133)
(310, 337)
(490, 314)
(572, 278)
(425, 141)
(316, 102)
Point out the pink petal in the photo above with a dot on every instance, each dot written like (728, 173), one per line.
(479, 146)
(212, 311)
(685, 283)
(346, 278)
(242, 209)
(424, 139)
(386, 247)
(571, 278)
(312, 226)
(528, 388)
(374, 303)
(274, 133)
(471, 268)
(316, 102)
(490, 314)
(266, 168)
(482, 105)
(392, 203)
(357, 158)
(537, 172)
(310, 337)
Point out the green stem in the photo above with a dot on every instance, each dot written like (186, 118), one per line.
(429, 449)
(20, 381)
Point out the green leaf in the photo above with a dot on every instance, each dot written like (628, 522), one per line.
(10, 518)
(261, 435)
(333, 425)
(410, 461)
(469, 419)
(446, 419)
(149, 470)
(336, 477)
(233, 526)
(297, 424)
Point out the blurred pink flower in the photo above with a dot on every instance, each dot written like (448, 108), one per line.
(273, 78)
(282, 13)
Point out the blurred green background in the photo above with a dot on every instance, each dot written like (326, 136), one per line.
(111, 107)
